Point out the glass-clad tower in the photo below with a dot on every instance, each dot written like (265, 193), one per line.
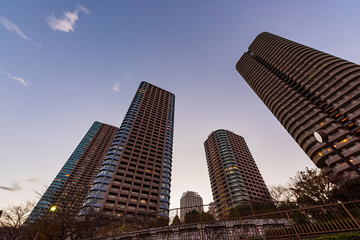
(308, 90)
(234, 175)
(71, 185)
(135, 176)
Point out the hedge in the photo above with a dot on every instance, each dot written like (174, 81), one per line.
(343, 236)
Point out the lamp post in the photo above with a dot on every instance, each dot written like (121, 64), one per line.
(321, 136)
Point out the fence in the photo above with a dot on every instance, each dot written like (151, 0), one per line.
(248, 221)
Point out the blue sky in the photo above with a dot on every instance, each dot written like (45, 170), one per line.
(66, 64)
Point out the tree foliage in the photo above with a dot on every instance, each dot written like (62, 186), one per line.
(239, 210)
(12, 219)
(206, 217)
(63, 222)
(313, 186)
(194, 217)
(349, 189)
(159, 222)
(176, 220)
(251, 208)
(280, 193)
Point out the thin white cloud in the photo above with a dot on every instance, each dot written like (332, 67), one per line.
(116, 87)
(66, 23)
(19, 79)
(15, 29)
(12, 27)
(82, 8)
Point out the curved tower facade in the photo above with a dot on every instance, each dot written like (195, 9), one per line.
(308, 90)
(234, 176)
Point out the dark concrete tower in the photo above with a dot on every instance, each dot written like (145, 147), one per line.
(308, 90)
(135, 176)
(234, 176)
(73, 182)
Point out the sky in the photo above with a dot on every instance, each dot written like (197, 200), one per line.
(66, 64)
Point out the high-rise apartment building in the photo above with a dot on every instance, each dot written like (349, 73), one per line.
(73, 182)
(190, 201)
(135, 176)
(234, 176)
(308, 90)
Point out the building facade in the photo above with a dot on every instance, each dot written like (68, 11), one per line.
(190, 201)
(73, 182)
(212, 210)
(234, 176)
(308, 90)
(135, 176)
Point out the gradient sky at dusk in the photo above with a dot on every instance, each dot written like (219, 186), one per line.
(66, 64)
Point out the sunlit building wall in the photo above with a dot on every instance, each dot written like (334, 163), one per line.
(308, 90)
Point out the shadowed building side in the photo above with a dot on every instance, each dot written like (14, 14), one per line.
(134, 179)
(308, 90)
(73, 182)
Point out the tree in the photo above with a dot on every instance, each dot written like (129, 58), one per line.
(240, 210)
(192, 217)
(280, 193)
(313, 186)
(62, 224)
(159, 222)
(61, 220)
(349, 189)
(12, 220)
(206, 217)
(176, 220)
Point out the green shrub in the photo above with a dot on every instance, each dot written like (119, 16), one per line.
(343, 236)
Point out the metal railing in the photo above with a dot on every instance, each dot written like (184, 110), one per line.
(248, 221)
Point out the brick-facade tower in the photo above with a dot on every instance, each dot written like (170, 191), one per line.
(135, 176)
(234, 176)
(308, 90)
(73, 182)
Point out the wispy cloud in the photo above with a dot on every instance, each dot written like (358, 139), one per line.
(82, 8)
(34, 180)
(12, 27)
(19, 79)
(15, 29)
(14, 187)
(17, 186)
(66, 23)
(116, 87)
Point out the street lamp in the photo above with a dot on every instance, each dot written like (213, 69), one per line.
(321, 136)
